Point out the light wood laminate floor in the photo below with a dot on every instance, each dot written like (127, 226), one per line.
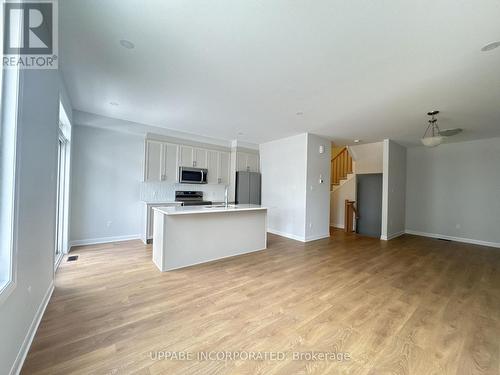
(412, 305)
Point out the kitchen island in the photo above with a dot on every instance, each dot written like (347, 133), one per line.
(189, 235)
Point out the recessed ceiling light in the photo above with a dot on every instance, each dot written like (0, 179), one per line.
(491, 46)
(357, 140)
(300, 113)
(127, 44)
(114, 104)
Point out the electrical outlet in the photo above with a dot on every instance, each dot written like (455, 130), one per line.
(108, 223)
(458, 226)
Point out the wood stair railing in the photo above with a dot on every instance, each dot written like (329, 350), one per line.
(341, 166)
(350, 213)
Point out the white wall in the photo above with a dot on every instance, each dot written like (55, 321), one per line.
(453, 190)
(368, 157)
(318, 194)
(337, 201)
(64, 98)
(393, 190)
(35, 213)
(298, 205)
(105, 184)
(283, 167)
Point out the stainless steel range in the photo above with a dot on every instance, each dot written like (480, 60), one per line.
(191, 198)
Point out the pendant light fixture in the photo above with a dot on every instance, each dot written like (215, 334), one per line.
(432, 137)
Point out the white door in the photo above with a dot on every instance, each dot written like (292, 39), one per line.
(200, 158)
(224, 168)
(212, 166)
(153, 161)
(253, 162)
(170, 170)
(186, 156)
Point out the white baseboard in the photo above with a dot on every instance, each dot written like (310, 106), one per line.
(298, 238)
(451, 238)
(95, 241)
(338, 226)
(25, 347)
(317, 237)
(391, 236)
(287, 235)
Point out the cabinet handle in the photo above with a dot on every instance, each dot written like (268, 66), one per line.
(194, 164)
(248, 169)
(219, 180)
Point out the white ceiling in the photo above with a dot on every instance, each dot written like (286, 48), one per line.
(356, 69)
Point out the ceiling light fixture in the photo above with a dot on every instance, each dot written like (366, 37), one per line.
(127, 44)
(491, 46)
(114, 104)
(432, 139)
(357, 140)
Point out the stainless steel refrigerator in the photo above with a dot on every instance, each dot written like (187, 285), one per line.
(247, 188)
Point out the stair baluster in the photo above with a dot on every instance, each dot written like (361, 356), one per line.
(341, 166)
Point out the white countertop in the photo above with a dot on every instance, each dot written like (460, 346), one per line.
(162, 202)
(187, 210)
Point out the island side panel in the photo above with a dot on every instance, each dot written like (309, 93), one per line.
(199, 238)
(158, 239)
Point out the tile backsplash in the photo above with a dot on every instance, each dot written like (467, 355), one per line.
(165, 192)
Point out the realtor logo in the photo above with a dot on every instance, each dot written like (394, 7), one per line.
(30, 34)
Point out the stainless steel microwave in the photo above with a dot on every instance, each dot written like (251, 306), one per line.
(192, 175)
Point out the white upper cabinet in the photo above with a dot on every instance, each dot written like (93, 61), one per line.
(241, 161)
(170, 170)
(253, 162)
(247, 162)
(200, 158)
(218, 164)
(224, 164)
(212, 166)
(186, 156)
(152, 166)
(160, 162)
(193, 157)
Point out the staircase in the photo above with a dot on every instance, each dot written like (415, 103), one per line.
(341, 165)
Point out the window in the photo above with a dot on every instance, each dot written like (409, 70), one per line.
(9, 79)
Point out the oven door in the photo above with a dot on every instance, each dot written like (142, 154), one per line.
(192, 175)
